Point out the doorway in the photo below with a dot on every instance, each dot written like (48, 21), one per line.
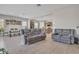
(48, 29)
(48, 26)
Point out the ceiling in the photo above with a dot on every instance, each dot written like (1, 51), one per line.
(30, 10)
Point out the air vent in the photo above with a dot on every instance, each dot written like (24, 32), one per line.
(38, 5)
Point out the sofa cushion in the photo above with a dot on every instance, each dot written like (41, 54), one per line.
(66, 32)
(59, 31)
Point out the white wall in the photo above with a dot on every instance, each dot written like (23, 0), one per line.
(64, 16)
(67, 18)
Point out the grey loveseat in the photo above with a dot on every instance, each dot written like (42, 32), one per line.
(64, 35)
(34, 36)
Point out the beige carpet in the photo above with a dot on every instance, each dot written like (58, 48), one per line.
(47, 46)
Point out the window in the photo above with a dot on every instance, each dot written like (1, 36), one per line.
(36, 25)
(41, 25)
(24, 24)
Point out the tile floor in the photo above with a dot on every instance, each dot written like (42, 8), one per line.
(47, 46)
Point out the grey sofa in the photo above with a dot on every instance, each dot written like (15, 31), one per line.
(34, 36)
(64, 35)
